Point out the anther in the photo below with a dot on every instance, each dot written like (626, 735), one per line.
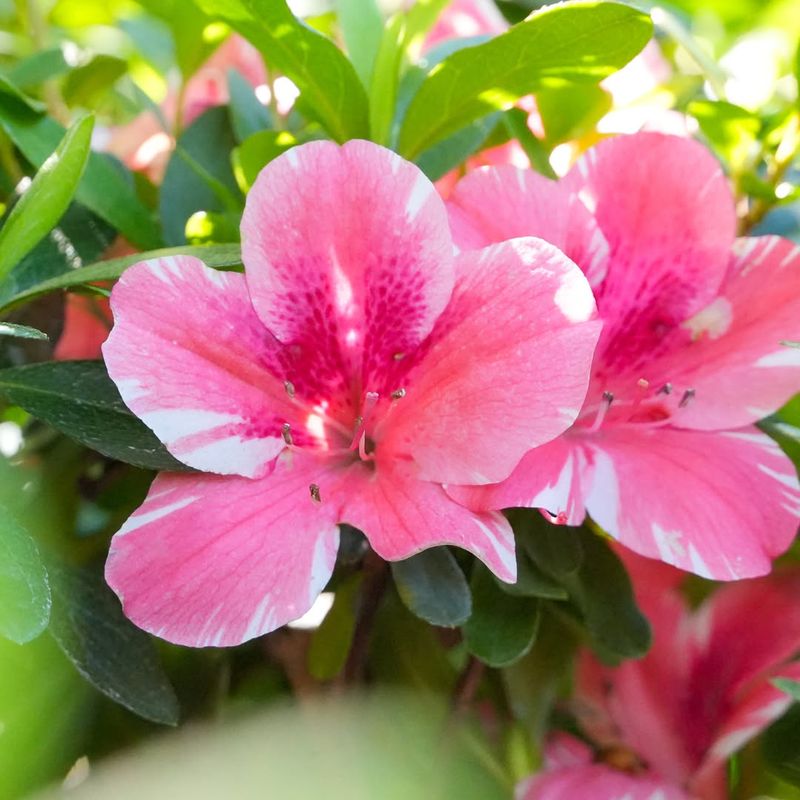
(643, 384)
(665, 389)
(398, 394)
(289, 386)
(608, 397)
(687, 396)
(399, 356)
(286, 432)
(315, 496)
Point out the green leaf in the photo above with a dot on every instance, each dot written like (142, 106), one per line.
(256, 152)
(516, 122)
(37, 68)
(48, 196)
(731, 130)
(330, 91)
(199, 176)
(80, 400)
(385, 79)
(602, 590)
(781, 746)
(571, 111)
(219, 256)
(789, 686)
(556, 549)
(24, 590)
(330, 643)
(22, 331)
(432, 586)
(419, 19)
(248, 114)
(86, 85)
(502, 628)
(105, 188)
(580, 42)
(111, 653)
(533, 581)
(454, 150)
(362, 28)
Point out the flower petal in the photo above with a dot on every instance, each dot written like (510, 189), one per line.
(721, 505)
(665, 209)
(192, 360)
(348, 257)
(215, 561)
(506, 368)
(548, 477)
(732, 355)
(493, 204)
(401, 515)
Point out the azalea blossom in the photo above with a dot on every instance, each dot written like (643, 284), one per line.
(664, 455)
(354, 368)
(664, 726)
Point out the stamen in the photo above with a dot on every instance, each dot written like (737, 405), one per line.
(398, 394)
(687, 397)
(286, 432)
(399, 356)
(370, 401)
(289, 386)
(665, 389)
(608, 399)
(315, 495)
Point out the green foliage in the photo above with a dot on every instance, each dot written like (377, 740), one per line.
(781, 746)
(79, 399)
(362, 28)
(255, 152)
(24, 589)
(248, 116)
(432, 586)
(47, 198)
(581, 42)
(21, 331)
(330, 643)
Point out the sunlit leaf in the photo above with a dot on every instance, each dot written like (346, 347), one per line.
(21, 331)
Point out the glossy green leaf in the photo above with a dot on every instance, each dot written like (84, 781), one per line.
(24, 589)
(433, 587)
(199, 176)
(330, 90)
(220, 256)
(385, 79)
(781, 746)
(602, 590)
(86, 85)
(731, 130)
(502, 627)
(106, 648)
(47, 198)
(454, 150)
(21, 331)
(516, 122)
(581, 42)
(571, 111)
(555, 549)
(80, 400)
(362, 28)
(533, 581)
(256, 152)
(248, 115)
(330, 643)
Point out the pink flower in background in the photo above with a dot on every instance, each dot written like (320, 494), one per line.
(354, 369)
(87, 321)
(664, 455)
(702, 692)
(464, 19)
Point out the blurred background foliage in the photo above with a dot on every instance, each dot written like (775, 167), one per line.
(90, 685)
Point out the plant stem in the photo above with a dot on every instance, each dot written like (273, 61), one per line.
(466, 686)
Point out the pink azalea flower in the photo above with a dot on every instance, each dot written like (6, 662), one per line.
(355, 368)
(702, 692)
(464, 19)
(664, 455)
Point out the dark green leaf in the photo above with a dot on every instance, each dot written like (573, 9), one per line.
(24, 590)
(448, 154)
(580, 42)
(329, 87)
(432, 586)
(781, 746)
(256, 152)
(79, 399)
(602, 590)
(48, 196)
(502, 628)
(330, 643)
(556, 549)
(221, 255)
(86, 85)
(21, 331)
(196, 171)
(533, 581)
(248, 114)
(105, 189)
(112, 654)
(571, 111)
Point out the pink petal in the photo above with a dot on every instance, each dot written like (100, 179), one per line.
(665, 209)
(597, 782)
(215, 561)
(493, 204)
(402, 515)
(348, 258)
(192, 360)
(721, 505)
(548, 477)
(506, 369)
(464, 19)
(732, 353)
(87, 321)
